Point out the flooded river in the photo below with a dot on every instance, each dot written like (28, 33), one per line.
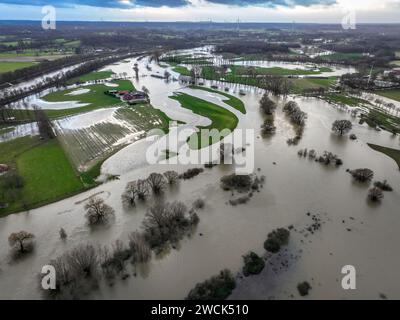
(353, 233)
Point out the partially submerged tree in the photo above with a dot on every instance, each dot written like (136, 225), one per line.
(375, 194)
(342, 126)
(218, 287)
(63, 234)
(384, 185)
(267, 105)
(276, 239)
(172, 177)
(21, 242)
(98, 212)
(156, 182)
(140, 248)
(253, 264)
(362, 175)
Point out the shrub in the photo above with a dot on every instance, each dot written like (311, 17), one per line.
(276, 239)
(63, 234)
(218, 287)
(199, 204)
(237, 182)
(191, 173)
(166, 224)
(253, 264)
(77, 272)
(140, 249)
(21, 243)
(303, 288)
(375, 194)
(267, 105)
(172, 177)
(362, 175)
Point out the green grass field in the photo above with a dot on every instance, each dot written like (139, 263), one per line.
(392, 153)
(391, 94)
(276, 71)
(99, 75)
(312, 83)
(45, 169)
(350, 57)
(344, 99)
(181, 70)
(11, 66)
(220, 117)
(231, 100)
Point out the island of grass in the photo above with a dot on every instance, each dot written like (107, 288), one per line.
(232, 101)
(96, 98)
(182, 70)
(299, 85)
(44, 169)
(392, 153)
(93, 76)
(344, 99)
(220, 117)
(391, 94)
(12, 66)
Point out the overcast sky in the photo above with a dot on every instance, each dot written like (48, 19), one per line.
(318, 11)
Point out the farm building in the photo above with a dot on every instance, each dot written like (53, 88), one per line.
(4, 168)
(131, 97)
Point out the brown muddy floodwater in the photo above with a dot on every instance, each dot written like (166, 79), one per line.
(353, 232)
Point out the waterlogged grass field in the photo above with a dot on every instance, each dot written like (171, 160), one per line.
(231, 100)
(220, 117)
(93, 76)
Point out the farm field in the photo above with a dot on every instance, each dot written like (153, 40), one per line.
(45, 170)
(391, 94)
(11, 66)
(220, 117)
(231, 100)
(99, 75)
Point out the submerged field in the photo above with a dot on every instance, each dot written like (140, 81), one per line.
(220, 117)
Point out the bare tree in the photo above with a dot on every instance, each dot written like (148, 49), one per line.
(362, 175)
(156, 182)
(172, 177)
(267, 105)
(342, 126)
(97, 212)
(140, 248)
(21, 242)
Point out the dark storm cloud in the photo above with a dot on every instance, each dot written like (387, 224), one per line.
(99, 3)
(273, 3)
